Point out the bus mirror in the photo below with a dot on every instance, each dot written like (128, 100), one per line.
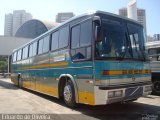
(98, 35)
(97, 20)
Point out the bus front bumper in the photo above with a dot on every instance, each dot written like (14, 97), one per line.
(105, 95)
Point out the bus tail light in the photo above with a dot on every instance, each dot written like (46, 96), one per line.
(105, 72)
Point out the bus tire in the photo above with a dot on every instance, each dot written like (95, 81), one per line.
(69, 94)
(156, 87)
(19, 82)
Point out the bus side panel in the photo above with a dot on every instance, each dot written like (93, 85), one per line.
(84, 77)
(13, 73)
(25, 73)
(43, 80)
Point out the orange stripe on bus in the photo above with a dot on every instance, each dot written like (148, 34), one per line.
(45, 65)
(121, 72)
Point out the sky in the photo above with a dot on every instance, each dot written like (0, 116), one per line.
(47, 9)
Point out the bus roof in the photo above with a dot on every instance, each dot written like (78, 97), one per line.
(77, 17)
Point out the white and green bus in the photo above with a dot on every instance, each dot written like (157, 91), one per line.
(94, 59)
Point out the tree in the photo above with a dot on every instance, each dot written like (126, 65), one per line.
(3, 64)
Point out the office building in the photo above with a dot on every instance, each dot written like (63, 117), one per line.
(8, 24)
(123, 12)
(141, 17)
(132, 9)
(62, 17)
(14, 21)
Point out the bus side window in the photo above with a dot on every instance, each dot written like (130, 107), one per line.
(31, 50)
(54, 41)
(40, 46)
(25, 52)
(19, 55)
(34, 48)
(14, 56)
(86, 33)
(46, 44)
(75, 36)
(63, 37)
(81, 41)
(153, 54)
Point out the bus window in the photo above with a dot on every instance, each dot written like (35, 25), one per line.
(55, 36)
(81, 41)
(85, 38)
(154, 54)
(14, 56)
(19, 55)
(75, 36)
(63, 37)
(30, 50)
(88, 53)
(25, 52)
(34, 48)
(46, 44)
(40, 46)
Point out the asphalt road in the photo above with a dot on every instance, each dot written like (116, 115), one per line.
(21, 101)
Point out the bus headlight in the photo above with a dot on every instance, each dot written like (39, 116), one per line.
(118, 93)
(111, 94)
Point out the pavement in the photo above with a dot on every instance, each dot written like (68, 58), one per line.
(22, 102)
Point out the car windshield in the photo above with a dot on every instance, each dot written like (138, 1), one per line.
(120, 41)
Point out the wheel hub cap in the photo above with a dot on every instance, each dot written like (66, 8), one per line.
(67, 93)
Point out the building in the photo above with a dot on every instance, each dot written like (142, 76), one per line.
(62, 17)
(141, 17)
(33, 28)
(14, 21)
(123, 12)
(156, 37)
(8, 24)
(132, 9)
(8, 44)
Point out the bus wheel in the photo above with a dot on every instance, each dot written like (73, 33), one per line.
(19, 82)
(69, 94)
(156, 87)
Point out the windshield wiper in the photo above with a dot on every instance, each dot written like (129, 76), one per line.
(122, 56)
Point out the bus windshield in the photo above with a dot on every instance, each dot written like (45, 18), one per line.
(120, 41)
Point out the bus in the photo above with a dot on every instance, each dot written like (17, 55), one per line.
(96, 59)
(154, 56)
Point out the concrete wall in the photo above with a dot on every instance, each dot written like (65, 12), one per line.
(8, 44)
